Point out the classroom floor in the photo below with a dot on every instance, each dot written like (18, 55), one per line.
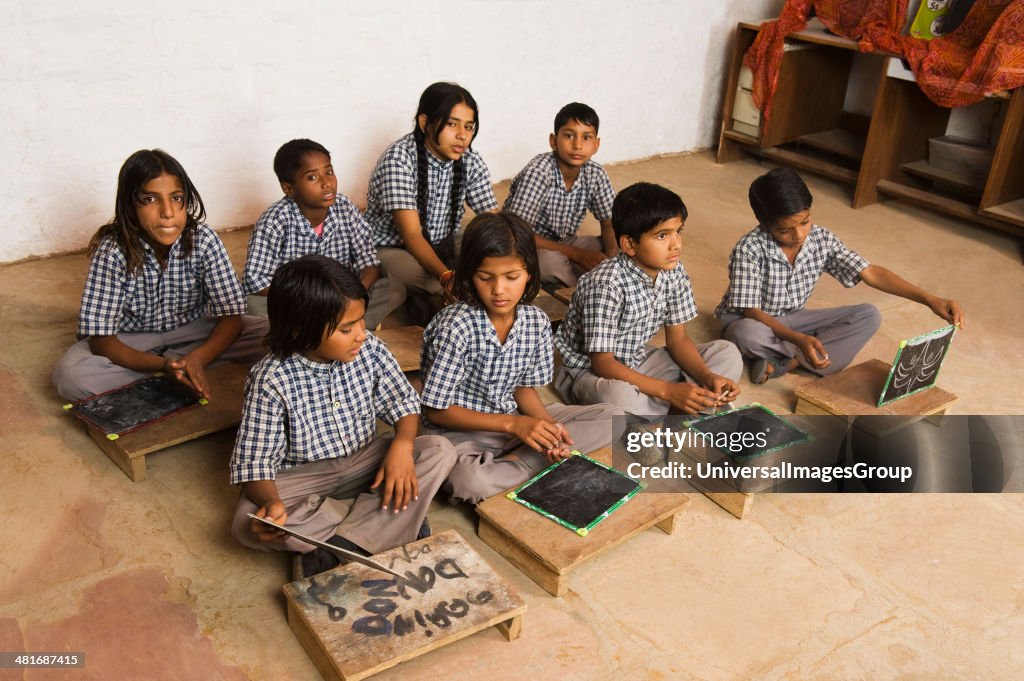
(145, 578)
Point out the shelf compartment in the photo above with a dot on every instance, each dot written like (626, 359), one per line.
(1012, 211)
(945, 205)
(960, 183)
(805, 162)
(837, 141)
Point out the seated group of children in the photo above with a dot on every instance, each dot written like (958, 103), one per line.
(161, 295)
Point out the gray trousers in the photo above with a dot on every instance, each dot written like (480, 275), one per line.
(402, 265)
(586, 387)
(555, 268)
(842, 330)
(79, 373)
(489, 463)
(333, 496)
(386, 295)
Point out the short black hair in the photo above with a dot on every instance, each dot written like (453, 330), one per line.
(495, 235)
(307, 299)
(641, 207)
(288, 159)
(776, 195)
(575, 111)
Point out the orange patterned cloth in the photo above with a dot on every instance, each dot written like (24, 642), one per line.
(984, 54)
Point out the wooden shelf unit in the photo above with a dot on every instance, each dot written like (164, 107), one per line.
(881, 156)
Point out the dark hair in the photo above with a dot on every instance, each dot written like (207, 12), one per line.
(778, 194)
(288, 159)
(138, 169)
(496, 235)
(641, 207)
(436, 103)
(306, 301)
(576, 111)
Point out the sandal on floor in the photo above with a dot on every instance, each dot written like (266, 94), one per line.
(759, 370)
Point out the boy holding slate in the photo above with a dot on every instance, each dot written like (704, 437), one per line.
(307, 450)
(772, 271)
(619, 305)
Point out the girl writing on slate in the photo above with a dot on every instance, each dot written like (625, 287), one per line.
(161, 294)
(420, 186)
(483, 359)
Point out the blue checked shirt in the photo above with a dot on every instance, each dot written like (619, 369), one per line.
(465, 364)
(617, 308)
(760, 276)
(393, 187)
(155, 300)
(297, 410)
(283, 234)
(538, 195)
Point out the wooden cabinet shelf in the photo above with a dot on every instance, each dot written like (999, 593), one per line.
(884, 155)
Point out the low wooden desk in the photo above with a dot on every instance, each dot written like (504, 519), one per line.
(547, 552)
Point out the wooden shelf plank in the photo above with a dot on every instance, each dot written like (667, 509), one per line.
(836, 141)
(945, 205)
(803, 162)
(962, 181)
(1012, 211)
(740, 137)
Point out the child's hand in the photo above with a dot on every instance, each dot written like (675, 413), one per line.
(398, 474)
(273, 511)
(557, 453)
(447, 281)
(588, 259)
(690, 398)
(190, 372)
(814, 351)
(724, 389)
(539, 434)
(948, 310)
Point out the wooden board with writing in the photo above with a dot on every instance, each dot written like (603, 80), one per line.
(354, 621)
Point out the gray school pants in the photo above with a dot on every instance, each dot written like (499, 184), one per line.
(555, 268)
(400, 264)
(333, 496)
(586, 387)
(842, 330)
(79, 373)
(489, 463)
(386, 295)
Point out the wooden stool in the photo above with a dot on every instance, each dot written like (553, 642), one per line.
(854, 391)
(355, 621)
(405, 344)
(555, 309)
(565, 294)
(223, 411)
(737, 495)
(547, 552)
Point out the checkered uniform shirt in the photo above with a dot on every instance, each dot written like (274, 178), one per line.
(760, 276)
(283, 234)
(297, 410)
(538, 195)
(393, 187)
(617, 308)
(466, 365)
(155, 300)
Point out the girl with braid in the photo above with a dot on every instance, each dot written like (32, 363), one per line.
(419, 189)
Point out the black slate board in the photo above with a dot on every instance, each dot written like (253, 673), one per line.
(135, 405)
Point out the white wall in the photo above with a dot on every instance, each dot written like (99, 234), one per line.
(221, 84)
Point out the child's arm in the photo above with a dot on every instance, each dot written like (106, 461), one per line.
(535, 432)
(686, 355)
(264, 494)
(683, 396)
(191, 369)
(611, 248)
(369, 276)
(529, 403)
(408, 224)
(888, 281)
(586, 259)
(398, 470)
(812, 348)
